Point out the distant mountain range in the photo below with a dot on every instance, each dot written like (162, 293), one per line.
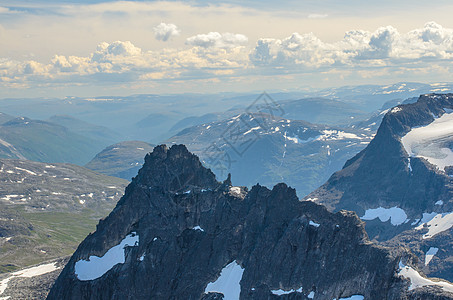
(62, 139)
(259, 148)
(155, 118)
(99, 133)
(371, 97)
(121, 160)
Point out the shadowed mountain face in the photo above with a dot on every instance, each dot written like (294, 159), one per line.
(401, 182)
(177, 233)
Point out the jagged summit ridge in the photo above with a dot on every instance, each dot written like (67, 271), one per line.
(163, 168)
(179, 239)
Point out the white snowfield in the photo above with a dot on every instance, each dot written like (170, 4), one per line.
(280, 292)
(95, 266)
(252, 129)
(235, 190)
(437, 224)
(36, 271)
(395, 110)
(327, 135)
(228, 282)
(25, 170)
(431, 141)
(28, 273)
(396, 215)
(313, 223)
(353, 297)
(430, 254)
(337, 135)
(418, 281)
(198, 228)
(297, 140)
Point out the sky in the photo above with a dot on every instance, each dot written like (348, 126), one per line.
(91, 48)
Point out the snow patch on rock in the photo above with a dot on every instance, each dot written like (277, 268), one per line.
(313, 224)
(235, 190)
(280, 292)
(430, 254)
(337, 135)
(396, 215)
(431, 141)
(353, 297)
(198, 228)
(228, 283)
(28, 273)
(418, 281)
(437, 224)
(95, 266)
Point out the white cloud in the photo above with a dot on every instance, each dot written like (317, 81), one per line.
(123, 61)
(306, 50)
(217, 40)
(382, 42)
(317, 16)
(384, 53)
(385, 46)
(108, 52)
(164, 31)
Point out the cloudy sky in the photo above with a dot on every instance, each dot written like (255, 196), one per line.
(93, 48)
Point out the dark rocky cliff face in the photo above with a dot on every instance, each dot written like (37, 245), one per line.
(384, 175)
(187, 229)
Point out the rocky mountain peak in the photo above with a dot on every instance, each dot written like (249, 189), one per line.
(174, 169)
(401, 183)
(177, 233)
(400, 119)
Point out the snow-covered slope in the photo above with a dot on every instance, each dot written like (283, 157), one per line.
(432, 142)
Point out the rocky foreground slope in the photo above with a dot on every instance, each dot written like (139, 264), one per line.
(402, 184)
(177, 233)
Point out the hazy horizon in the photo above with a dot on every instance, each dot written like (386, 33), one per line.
(82, 48)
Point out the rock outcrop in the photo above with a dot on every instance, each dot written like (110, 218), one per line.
(177, 233)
